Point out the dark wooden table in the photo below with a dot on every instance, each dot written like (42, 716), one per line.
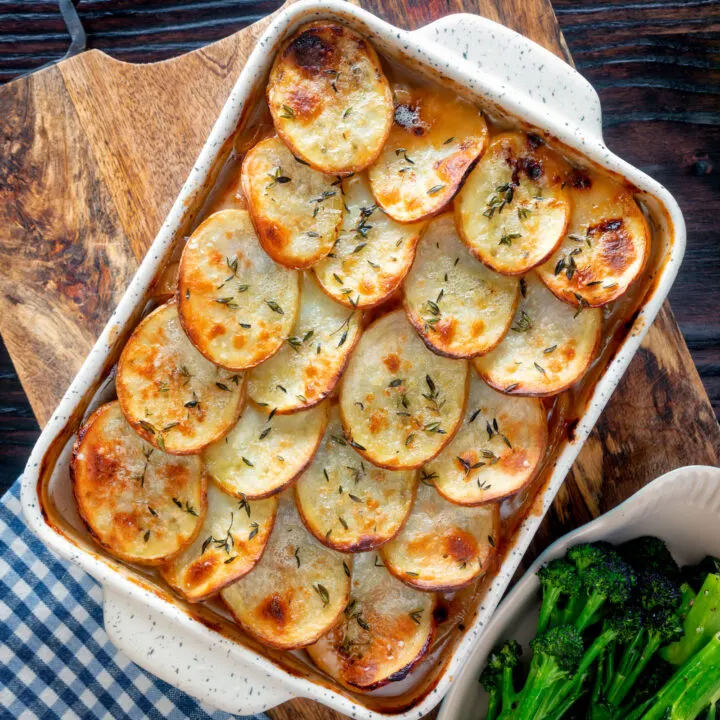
(655, 64)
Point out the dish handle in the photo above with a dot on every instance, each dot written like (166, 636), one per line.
(520, 66)
(186, 660)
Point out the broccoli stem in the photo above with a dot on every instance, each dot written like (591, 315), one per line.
(509, 695)
(629, 673)
(693, 687)
(549, 603)
(544, 674)
(712, 711)
(493, 705)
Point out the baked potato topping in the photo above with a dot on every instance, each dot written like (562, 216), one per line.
(400, 402)
(265, 451)
(298, 590)
(372, 254)
(305, 371)
(513, 210)
(443, 546)
(348, 503)
(459, 306)
(394, 284)
(549, 347)
(435, 139)
(385, 630)
(296, 210)
(138, 502)
(329, 98)
(606, 245)
(231, 541)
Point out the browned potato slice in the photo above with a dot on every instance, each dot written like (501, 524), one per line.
(443, 546)
(459, 306)
(549, 347)
(309, 366)
(400, 402)
(297, 591)
(435, 138)
(496, 451)
(140, 504)
(606, 246)
(346, 502)
(262, 455)
(373, 252)
(230, 543)
(512, 211)
(235, 303)
(171, 395)
(296, 210)
(385, 631)
(329, 99)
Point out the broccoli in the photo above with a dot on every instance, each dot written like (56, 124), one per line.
(497, 679)
(609, 580)
(650, 553)
(693, 688)
(556, 657)
(559, 580)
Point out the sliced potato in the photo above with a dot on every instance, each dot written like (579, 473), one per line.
(262, 455)
(235, 303)
(373, 252)
(296, 210)
(298, 589)
(230, 543)
(385, 631)
(606, 246)
(400, 402)
(329, 99)
(307, 369)
(435, 139)
(496, 451)
(459, 306)
(549, 347)
(512, 211)
(171, 395)
(346, 502)
(141, 504)
(443, 546)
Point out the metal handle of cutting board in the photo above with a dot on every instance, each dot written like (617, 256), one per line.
(190, 662)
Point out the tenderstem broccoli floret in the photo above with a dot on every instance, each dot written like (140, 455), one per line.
(560, 581)
(498, 679)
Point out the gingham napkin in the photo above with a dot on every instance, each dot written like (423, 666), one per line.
(55, 659)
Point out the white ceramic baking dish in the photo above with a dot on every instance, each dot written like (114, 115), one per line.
(193, 647)
(682, 507)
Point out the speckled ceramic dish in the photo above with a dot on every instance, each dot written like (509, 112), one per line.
(196, 648)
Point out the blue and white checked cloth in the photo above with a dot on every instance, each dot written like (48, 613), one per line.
(55, 659)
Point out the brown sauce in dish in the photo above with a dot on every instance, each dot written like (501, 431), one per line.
(455, 612)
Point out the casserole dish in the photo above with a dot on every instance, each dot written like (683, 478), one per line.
(195, 647)
(681, 507)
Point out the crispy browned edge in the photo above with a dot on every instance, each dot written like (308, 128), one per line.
(526, 269)
(400, 674)
(260, 222)
(496, 497)
(291, 646)
(195, 597)
(569, 295)
(181, 297)
(372, 54)
(73, 481)
(365, 543)
(287, 483)
(447, 197)
(449, 587)
(530, 390)
(332, 383)
(144, 434)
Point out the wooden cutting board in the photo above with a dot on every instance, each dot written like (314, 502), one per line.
(95, 151)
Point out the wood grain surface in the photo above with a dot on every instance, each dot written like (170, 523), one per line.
(95, 151)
